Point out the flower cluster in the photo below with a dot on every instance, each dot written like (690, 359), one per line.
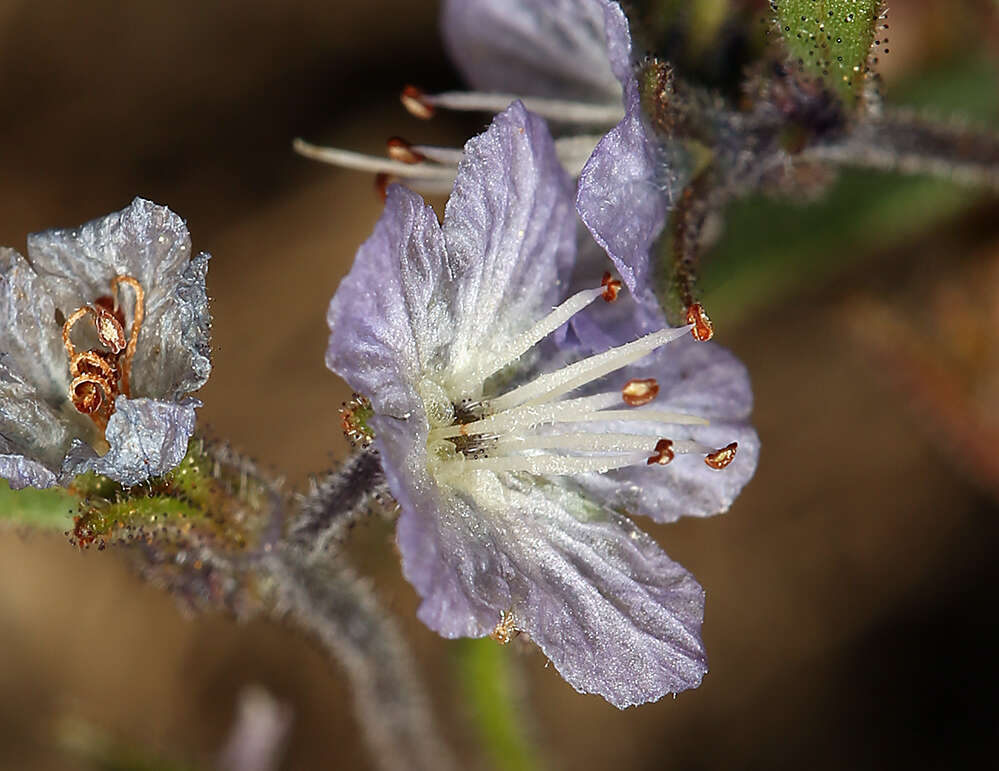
(105, 333)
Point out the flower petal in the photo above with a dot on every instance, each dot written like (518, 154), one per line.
(700, 379)
(619, 198)
(21, 472)
(509, 226)
(389, 320)
(556, 49)
(613, 613)
(30, 336)
(173, 357)
(144, 240)
(147, 437)
(31, 430)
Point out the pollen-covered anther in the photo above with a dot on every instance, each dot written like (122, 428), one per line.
(640, 391)
(719, 459)
(663, 453)
(109, 330)
(505, 630)
(703, 330)
(398, 149)
(612, 287)
(415, 101)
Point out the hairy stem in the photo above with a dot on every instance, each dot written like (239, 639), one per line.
(338, 500)
(327, 599)
(904, 142)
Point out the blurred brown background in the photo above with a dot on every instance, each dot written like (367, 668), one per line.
(851, 590)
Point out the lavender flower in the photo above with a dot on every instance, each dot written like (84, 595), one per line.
(512, 461)
(105, 331)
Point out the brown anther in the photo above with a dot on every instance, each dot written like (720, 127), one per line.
(719, 459)
(703, 329)
(505, 630)
(415, 101)
(399, 149)
(382, 181)
(638, 392)
(89, 392)
(93, 363)
(612, 287)
(663, 453)
(109, 331)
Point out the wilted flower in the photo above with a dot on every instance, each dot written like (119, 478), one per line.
(105, 331)
(512, 463)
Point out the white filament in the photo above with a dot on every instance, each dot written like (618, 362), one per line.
(561, 110)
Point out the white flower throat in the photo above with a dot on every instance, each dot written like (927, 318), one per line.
(537, 427)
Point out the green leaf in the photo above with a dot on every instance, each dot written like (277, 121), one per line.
(49, 509)
(831, 39)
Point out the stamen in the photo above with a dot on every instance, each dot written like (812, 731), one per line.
(530, 415)
(576, 441)
(91, 362)
(86, 392)
(109, 330)
(399, 149)
(68, 325)
(360, 162)
(138, 316)
(702, 330)
(449, 156)
(545, 464)
(548, 386)
(612, 287)
(416, 103)
(663, 453)
(523, 342)
(719, 459)
(638, 392)
(423, 105)
(382, 181)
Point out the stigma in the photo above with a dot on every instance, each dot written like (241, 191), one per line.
(541, 427)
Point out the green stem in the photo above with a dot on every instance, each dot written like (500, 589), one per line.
(491, 689)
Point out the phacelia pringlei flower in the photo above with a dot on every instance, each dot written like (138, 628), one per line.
(105, 332)
(515, 461)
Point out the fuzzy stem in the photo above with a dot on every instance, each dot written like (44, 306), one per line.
(338, 500)
(327, 599)
(903, 142)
